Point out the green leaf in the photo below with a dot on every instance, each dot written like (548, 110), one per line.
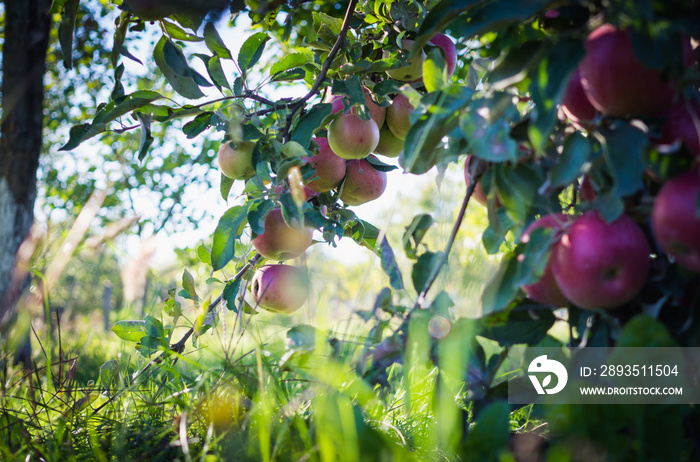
(576, 152)
(251, 50)
(216, 73)
(310, 123)
(490, 434)
(146, 138)
(624, 154)
(533, 256)
(389, 265)
(230, 292)
(488, 137)
(204, 254)
(75, 136)
(257, 213)
(492, 16)
(440, 16)
(644, 331)
(290, 61)
(513, 67)
(197, 125)
(379, 165)
(517, 188)
(214, 42)
(225, 186)
(434, 72)
(175, 32)
(66, 27)
(520, 325)
(188, 286)
(501, 289)
(423, 270)
(415, 232)
(124, 105)
(183, 84)
(130, 331)
(228, 229)
(333, 24)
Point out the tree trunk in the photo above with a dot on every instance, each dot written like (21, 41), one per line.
(27, 27)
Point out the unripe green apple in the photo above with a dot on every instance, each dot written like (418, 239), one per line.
(151, 10)
(279, 288)
(279, 241)
(414, 70)
(330, 168)
(675, 221)
(363, 183)
(237, 163)
(389, 145)
(352, 137)
(600, 265)
(397, 116)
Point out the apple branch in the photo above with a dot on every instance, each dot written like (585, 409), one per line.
(476, 169)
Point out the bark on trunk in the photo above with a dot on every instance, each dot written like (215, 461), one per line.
(26, 34)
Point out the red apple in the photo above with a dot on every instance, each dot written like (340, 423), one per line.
(376, 113)
(599, 265)
(444, 42)
(279, 241)
(675, 219)
(352, 137)
(363, 183)
(546, 290)
(682, 125)
(330, 168)
(576, 105)
(397, 116)
(389, 145)
(616, 82)
(237, 163)
(586, 190)
(150, 10)
(279, 288)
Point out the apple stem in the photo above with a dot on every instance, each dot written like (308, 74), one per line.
(476, 168)
(178, 347)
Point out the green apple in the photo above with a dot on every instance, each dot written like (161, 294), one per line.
(414, 70)
(237, 162)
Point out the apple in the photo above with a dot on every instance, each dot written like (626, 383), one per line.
(448, 47)
(363, 183)
(376, 113)
(330, 168)
(546, 290)
(150, 10)
(279, 241)
(237, 163)
(352, 137)
(576, 105)
(675, 221)
(389, 145)
(397, 116)
(586, 190)
(615, 81)
(600, 265)
(414, 69)
(682, 125)
(279, 288)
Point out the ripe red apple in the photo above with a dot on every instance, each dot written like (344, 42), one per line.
(599, 265)
(363, 183)
(279, 288)
(150, 10)
(330, 168)
(397, 116)
(616, 82)
(546, 290)
(414, 69)
(352, 137)
(279, 241)
(682, 124)
(675, 221)
(237, 163)
(376, 113)
(576, 105)
(444, 42)
(586, 190)
(389, 145)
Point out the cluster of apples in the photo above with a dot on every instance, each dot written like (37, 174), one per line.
(600, 265)
(341, 162)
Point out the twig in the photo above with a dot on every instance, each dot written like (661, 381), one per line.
(476, 169)
(178, 347)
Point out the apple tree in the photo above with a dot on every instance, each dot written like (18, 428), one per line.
(581, 121)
